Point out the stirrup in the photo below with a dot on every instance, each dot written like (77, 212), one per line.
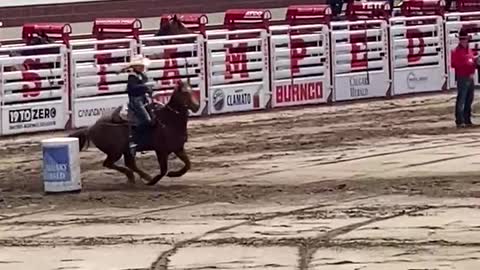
(132, 147)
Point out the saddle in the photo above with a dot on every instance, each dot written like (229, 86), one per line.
(122, 115)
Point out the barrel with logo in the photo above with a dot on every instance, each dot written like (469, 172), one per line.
(61, 165)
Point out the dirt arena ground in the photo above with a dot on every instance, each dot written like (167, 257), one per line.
(384, 184)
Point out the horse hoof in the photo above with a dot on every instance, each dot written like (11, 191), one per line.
(174, 174)
(154, 180)
(131, 179)
(147, 179)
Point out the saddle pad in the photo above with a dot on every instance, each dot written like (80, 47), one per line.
(124, 112)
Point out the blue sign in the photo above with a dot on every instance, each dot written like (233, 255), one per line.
(56, 164)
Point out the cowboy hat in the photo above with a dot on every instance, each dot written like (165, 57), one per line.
(139, 60)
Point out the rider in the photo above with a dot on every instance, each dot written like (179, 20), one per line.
(137, 95)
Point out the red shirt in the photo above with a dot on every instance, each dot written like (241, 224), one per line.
(463, 61)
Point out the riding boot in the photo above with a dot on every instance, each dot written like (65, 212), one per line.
(132, 145)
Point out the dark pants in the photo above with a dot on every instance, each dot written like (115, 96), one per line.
(463, 106)
(143, 121)
(137, 105)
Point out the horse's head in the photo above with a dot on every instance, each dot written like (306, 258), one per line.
(183, 99)
(39, 39)
(171, 27)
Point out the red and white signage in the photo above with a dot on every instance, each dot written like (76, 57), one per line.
(300, 58)
(360, 59)
(97, 85)
(238, 63)
(171, 62)
(237, 71)
(34, 83)
(247, 65)
(470, 21)
(417, 51)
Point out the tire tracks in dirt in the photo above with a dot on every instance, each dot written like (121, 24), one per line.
(307, 247)
(83, 221)
(162, 261)
(307, 251)
(3, 218)
(357, 159)
(31, 240)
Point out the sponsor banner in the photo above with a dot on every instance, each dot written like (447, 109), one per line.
(358, 86)
(56, 164)
(418, 80)
(228, 98)
(33, 117)
(88, 110)
(300, 92)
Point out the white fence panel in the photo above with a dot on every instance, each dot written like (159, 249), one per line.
(97, 85)
(300, 62)
(238, 70)
(34, 88)
(417, 54)
(360, 59)
(170, 63)
(455, 22)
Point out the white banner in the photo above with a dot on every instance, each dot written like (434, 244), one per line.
(417, 54)
(300, 91)
(33, 117)
(87, 111)
(418, 80)
(359, 86)
(236, 98)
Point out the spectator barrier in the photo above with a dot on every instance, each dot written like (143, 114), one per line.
(454, 22)
(360, 53)
(417, 49)
(34, 82)
(238, 62)
(300, 59)
(251, 63)
(179, 57)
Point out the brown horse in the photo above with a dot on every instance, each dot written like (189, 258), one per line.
(172, 27)
(39, 39)
(110, 134)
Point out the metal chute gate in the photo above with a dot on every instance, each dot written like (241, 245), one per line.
(417, 48)
(360, 53)
(238, 62)
(34, 80)
(300, 59)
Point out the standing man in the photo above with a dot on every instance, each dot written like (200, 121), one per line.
(464, 64)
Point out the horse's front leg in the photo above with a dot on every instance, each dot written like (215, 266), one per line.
(182, 155)
(162, 158)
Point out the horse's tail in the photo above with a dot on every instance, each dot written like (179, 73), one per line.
(83, 138)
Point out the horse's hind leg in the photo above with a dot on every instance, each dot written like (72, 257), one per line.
(182, 155)
(110, 163)
(132, 165)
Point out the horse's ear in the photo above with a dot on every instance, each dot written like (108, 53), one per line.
(180, 84)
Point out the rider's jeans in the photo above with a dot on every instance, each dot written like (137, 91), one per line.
(138, 106)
